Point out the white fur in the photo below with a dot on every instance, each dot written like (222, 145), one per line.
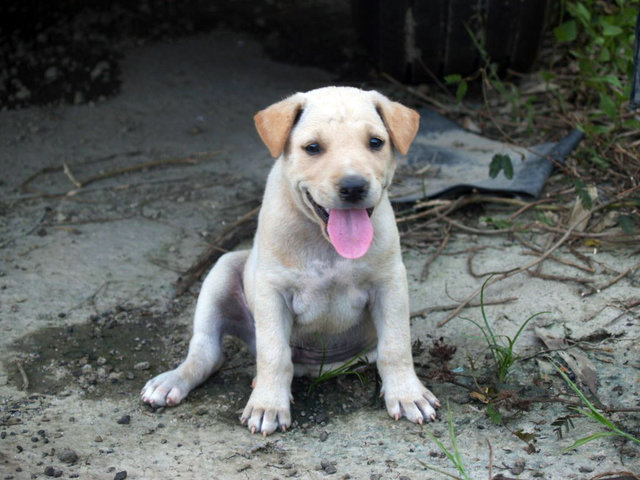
(295, 284)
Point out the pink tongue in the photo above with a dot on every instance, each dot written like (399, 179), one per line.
(350, 231)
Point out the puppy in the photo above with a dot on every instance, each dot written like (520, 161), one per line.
(324, 280)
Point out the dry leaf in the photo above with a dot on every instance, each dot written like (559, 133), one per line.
(579, 364)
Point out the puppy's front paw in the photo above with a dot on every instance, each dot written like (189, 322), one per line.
(167, 389)
(267, 408)
(407, 397)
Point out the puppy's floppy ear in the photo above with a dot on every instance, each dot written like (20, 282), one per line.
(401, 122)
(274, 123)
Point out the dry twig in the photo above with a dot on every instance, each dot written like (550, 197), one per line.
(443, 244)
(227, 240)
(23, 374)
(613, 281)
(444, 308)
(560, 242)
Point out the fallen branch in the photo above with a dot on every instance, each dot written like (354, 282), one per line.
(613, 281)
(227, 240)
(59, 168)
(136, 168)
(443, 244)
(560, 242)
(444, 308)
(537, 251)
(561, 278)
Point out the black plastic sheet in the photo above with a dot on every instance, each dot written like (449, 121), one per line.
(446, 160)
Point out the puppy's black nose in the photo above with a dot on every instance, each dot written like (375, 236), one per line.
(353, 188)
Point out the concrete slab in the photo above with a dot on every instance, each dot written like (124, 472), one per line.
(86, 310)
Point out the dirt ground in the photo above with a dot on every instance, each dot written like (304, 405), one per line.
(87, 309)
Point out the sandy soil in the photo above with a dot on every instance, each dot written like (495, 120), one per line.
(87, 310)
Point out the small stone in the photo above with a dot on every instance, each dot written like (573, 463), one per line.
(68, 456)
(584, 469)
(98, 439)
(322, 417)
(124, 420)
(518, 467)
(328, 467)
(52, 472)
(120, 475)
(324, 436)
(142, 366)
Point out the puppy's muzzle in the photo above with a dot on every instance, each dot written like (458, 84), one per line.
(353, 188)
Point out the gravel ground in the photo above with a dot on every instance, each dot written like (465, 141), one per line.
(87, 313)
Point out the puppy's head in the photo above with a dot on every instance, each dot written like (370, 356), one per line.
(337, 145)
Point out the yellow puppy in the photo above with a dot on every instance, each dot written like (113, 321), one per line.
(324, 280)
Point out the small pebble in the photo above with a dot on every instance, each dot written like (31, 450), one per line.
(323, 436)
(98, 439)
(52, 472)
(142, 366)
(328, 467)
(124, 420)
(120, 475)
(518, 467)
(68, 456)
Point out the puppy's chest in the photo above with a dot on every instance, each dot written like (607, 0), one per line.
(330, 298)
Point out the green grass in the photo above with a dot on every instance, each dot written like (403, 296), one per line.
(452, 454)
(347, 368)
(610, 429)
(500, 346)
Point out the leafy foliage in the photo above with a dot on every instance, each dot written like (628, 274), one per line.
(501, 163)
(599, 38)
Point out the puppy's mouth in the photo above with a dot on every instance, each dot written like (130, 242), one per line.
(349, 230)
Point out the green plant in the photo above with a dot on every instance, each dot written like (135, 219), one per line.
(592, 412)
(501, 346)
(347, 368)
(453, 455)
(598, 37)
(500, 162)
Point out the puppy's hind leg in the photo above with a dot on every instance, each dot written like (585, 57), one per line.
(221, 309)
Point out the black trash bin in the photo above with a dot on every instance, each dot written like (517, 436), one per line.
(411, 38)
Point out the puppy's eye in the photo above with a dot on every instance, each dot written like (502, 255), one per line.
(376, 143)
(313, 148)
